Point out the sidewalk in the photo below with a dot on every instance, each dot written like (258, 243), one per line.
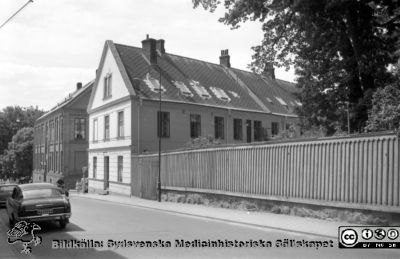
(294, 224)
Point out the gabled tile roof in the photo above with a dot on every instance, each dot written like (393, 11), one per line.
(67, 100)
(268, 90)
(185, 79)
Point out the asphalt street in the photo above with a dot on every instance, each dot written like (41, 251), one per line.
(108, 225)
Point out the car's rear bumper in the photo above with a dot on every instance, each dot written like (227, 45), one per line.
(61, 216)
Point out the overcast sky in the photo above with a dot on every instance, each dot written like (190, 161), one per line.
(53, 44)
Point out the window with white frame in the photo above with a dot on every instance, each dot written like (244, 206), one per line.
(153, 84)
(120, 124)
(183, 88)
(220, 94)
(80, 128)
(200, 90)
(107, 86)
(106, 127)
(95, 130)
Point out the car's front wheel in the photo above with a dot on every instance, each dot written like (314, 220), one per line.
(11, 221)
(63, 223)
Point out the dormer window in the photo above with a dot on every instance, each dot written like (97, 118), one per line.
(220, 94)
(107, 86)
(200, 90)
(153, 84)
(281, 101)
(298, 103)
(234, 94)
(183, 88)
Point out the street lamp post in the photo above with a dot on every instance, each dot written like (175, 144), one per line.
(159, 140)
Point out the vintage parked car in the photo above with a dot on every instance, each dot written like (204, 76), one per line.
(38, 202)
(5, 192)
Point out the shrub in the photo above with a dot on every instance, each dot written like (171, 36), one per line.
(203, 142)
(385, 112)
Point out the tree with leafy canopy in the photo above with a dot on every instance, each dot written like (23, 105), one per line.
(14, 118)
(340, 50)
(385, 112)
(7, 164)
(17, 160)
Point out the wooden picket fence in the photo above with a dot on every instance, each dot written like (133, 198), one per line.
(359, 170)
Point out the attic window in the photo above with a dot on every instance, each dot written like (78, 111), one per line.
(234, 94)
(281, 101)
(153, 84)
(107, 86)
(183, 88)
(200, 90)
(220, 94)
(269, 100)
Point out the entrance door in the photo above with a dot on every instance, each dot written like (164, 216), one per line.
(106, 172)
(248, 130)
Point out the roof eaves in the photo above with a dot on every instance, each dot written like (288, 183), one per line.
(222, 107)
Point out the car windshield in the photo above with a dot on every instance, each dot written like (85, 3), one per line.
(41, 193)
(7, 188)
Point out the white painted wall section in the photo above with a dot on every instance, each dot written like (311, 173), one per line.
(118, 90)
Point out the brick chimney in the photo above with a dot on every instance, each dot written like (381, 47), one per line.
(78, 86)
(160, 46)
(269, 70)
(149, 49)
(224, 59)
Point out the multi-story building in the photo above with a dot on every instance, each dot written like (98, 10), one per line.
(61, 139)
(198, 98)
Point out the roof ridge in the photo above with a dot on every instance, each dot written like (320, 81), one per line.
(177, 67)
(124, 45)
(209, 62)
(250, 72)
(285, 81)
(171, 54)
(68, 99)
